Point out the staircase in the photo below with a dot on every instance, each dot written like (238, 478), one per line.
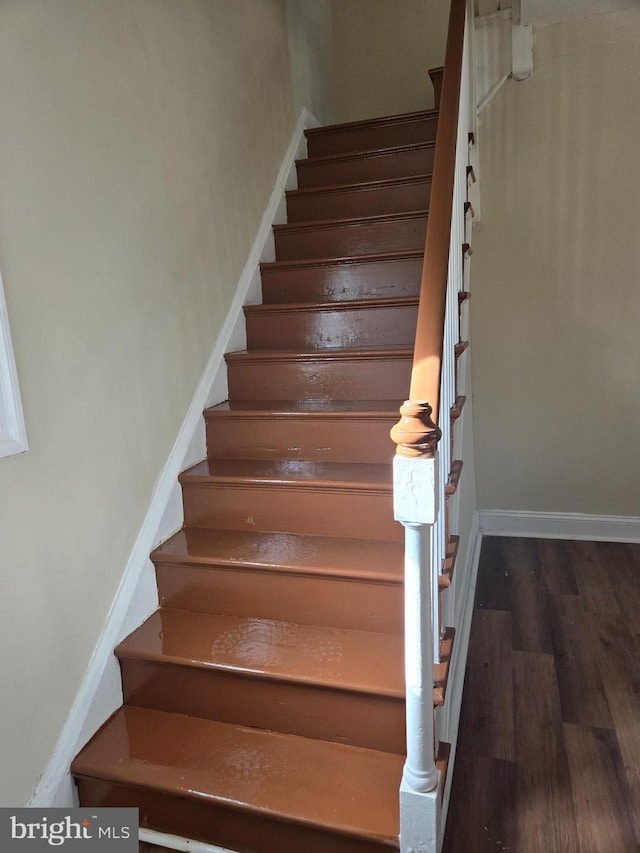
(264, 701)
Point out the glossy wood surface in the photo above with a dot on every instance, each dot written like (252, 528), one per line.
(394, 232)
(318, 682)
(374, 133)
(363, 323)
(323, 510)
(372, 198)
(308, 555)
(359, 603)
(375, 276)
(337, 374)
(347, 431)
(549, 743)
(323, 656)
(344, 583)
(398, 162)
(240, 769)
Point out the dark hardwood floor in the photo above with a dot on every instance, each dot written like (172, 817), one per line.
(548, 757)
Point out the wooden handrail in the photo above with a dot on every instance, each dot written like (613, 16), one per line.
(417, 433)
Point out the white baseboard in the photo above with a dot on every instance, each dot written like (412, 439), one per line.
(560, 525)
(13, 433)
(453, 703)
(100, 693)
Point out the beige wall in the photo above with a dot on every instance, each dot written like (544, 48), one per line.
(310, 49)
(140, 144)
(556, 278)
(382, 53)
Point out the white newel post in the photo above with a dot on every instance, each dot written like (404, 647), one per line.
(415, 490)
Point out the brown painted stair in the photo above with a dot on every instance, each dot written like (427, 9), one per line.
(264, 701)
(390, 274)
(370, 198)
(390, 232)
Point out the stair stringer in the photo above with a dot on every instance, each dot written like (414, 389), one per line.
(100, 693)
(448, 717)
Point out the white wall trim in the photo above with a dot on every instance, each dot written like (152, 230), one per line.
(560, 525)
(493, 92)
(13, 434)
(504, 49)
(522, 51)
(453, 703)
(493, 55)
(136, 598)
(493, 17)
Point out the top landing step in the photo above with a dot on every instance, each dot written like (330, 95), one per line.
(371, 134)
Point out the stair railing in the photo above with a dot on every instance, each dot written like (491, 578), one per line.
(422, 464)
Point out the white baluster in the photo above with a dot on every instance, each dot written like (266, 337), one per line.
(416, 488)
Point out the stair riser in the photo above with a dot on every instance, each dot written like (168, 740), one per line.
(320, 512)
(313, 439)
(369, 138)
(270, 594)
(352, 170)
(356, 719)
(388, 326)
(338, 241)
(320, 379)
(234, 829)
(370, 202)
(341, 282)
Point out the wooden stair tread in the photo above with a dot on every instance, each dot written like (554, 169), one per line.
(337, 354)
(348, 789)
(342, 659)
(305, 263)
(364, 155)
(292, 472)
(358, 186)
(351, 222)
(448, 564)
(359, 235)
(311, 555)
(334, 279)
(323, 373)
(458, 406)
(441, 669)
(344, 305)
(345, 196)
(305, 408)
(442, 764)
(454, 477)
(398, 118)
